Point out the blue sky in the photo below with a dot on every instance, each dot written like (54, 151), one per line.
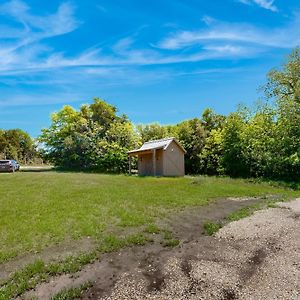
(157, 61)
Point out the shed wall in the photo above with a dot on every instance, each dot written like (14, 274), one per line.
(173, 161)
(145, 163)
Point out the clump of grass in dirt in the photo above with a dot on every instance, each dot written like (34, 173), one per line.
(72, 293)
(169, 240)
(240, 214)
(152, 229)
(211, 228)
(72, 264)
(251, 209)
(113, 243)
(38, 272)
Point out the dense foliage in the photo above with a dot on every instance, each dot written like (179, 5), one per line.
(17, 144)
(94, 137)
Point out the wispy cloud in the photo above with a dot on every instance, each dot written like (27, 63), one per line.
(24, 48)
(61, 22)
(266, 4)
(23, 42)
(236, 34)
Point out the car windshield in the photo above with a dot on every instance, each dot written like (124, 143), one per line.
(4, 162)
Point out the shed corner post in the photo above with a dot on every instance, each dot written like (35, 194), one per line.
(129, 165)
(154, 162)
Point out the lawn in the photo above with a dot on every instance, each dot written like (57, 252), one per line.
(38, 209)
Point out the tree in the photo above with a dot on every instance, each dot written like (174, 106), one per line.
(192, 135)
(211, 120)
(17, 144)
(94, 137)
(233, 160)
(210, 157)
(154, 131)
(284, 84)
(258, 140)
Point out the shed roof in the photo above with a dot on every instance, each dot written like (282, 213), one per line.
(157, 144)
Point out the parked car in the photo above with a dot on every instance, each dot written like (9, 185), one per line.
(17, 165)
(9, 165)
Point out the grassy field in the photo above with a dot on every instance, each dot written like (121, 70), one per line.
(38, 209)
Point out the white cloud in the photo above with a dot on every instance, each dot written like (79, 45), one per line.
(23, 42)
(27, 51)
(61, 22)
(266, 4)
(237, 34)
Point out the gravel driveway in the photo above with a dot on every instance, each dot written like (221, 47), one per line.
(254, 258)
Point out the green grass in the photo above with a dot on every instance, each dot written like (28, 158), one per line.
(211, 228)
(72, 293)
(37, 272)
(42, 209)
(241, 213)
(249, 210)
(152, 229)
(113, 243)
(169, 240)
(33, 274)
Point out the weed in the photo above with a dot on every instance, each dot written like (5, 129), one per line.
(240, 214)
(169, 240)
(113, 243)
(211, 228)
(37, 272)
(171, 243)
(72, 293)
(152, 229)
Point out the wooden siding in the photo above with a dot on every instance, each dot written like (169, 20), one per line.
(145, 163)
(173, 161)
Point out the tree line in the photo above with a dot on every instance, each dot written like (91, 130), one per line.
(18, 145)
(262, 142)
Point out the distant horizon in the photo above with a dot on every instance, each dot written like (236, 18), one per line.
(160, 62)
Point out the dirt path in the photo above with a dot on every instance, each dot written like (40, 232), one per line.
(254, 258)
(51, 253)
(236, 264)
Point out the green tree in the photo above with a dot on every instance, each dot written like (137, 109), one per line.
(17, 144)
(154, 131)
(284, 84)
(233, 160)
(92, 137)
(192, 135)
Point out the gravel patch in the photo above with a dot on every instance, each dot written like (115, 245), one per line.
(254, 258)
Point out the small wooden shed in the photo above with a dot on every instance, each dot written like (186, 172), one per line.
(163, 157)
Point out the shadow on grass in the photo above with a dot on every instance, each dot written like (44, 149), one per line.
(197, 178)
(287, 184)
(37, 170)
